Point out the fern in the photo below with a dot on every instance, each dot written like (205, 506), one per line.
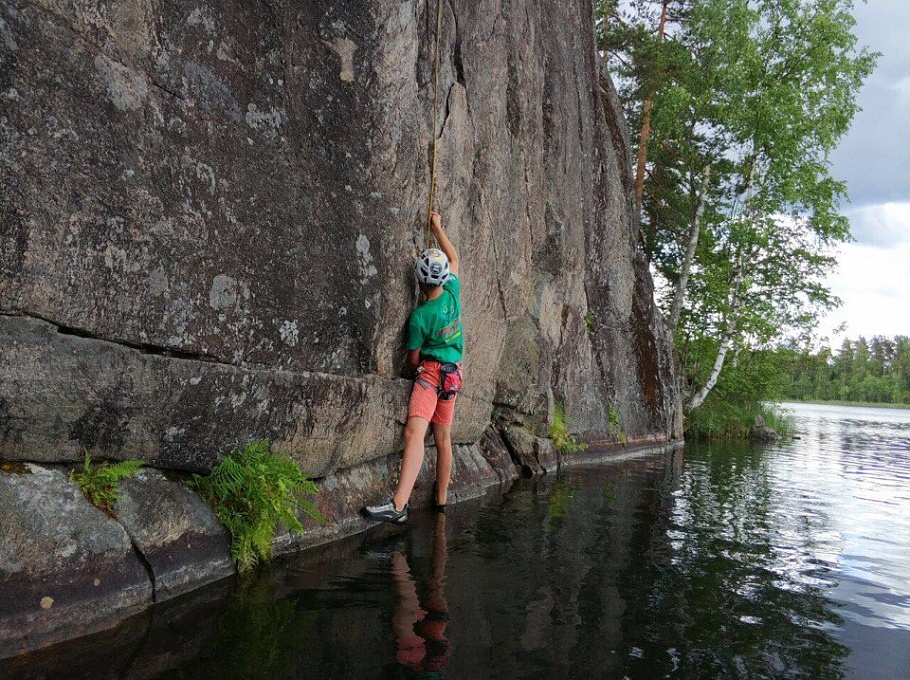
(563, 442)
(252, 491)
(101, 484)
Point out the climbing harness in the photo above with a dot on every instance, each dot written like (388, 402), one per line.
(435, 116)
(450, 378)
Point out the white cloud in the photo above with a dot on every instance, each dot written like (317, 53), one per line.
(874, 284)
(902, 87)
(884, 225)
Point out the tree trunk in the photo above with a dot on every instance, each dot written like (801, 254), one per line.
(725, 343)
(646, 124)
(727, 338)
(680, 294)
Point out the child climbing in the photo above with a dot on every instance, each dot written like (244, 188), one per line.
(435, 347)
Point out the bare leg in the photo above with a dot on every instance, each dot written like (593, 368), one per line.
(414, 433)
(442, 434)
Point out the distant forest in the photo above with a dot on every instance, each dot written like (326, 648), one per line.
(877, 370)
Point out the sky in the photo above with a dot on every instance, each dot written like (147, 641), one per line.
(873, 278)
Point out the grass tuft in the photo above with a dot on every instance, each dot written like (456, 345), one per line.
(562, 440)
(779, 420)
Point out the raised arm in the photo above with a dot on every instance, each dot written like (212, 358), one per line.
(444, 243)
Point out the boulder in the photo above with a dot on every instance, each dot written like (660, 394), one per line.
(497, 454)
(178, 535)
(534, 454)
(761, 433)
(66, 568)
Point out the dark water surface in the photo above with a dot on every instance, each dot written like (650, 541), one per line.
(716, 562)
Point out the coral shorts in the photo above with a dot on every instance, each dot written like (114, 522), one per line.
(425, 402)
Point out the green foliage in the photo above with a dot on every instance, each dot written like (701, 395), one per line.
(590, 320)
(778, 420)
(875, 371)
(760, 92)
(101, 484)
(562, 440)
(718, 420)
(252, 491)
(751, 379)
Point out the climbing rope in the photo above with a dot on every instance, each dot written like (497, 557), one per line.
(435, 116)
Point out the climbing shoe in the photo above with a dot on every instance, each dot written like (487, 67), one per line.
(386, 512)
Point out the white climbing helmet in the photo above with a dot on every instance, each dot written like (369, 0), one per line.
(432, 267)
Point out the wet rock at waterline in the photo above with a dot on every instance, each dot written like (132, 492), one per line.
(762, 433)
(343, 494)
(69, 569)
(178, 535)
(66, 568)
(535, 455)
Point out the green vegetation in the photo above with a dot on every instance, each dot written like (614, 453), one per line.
(779, 420)
(562, 440)
(729, 411)
(722, 421)
(861, 372)
(615, 427)
(737, 105)
(590, 320)
(252, 491)
(101, 484)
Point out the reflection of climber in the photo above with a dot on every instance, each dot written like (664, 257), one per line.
(435, 346)
(423, 649)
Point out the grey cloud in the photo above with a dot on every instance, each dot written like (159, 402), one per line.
(874, 157)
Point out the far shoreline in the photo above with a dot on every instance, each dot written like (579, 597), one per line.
(857, 404)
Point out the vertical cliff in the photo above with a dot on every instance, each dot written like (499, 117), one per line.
(208, 219)
(210, 211)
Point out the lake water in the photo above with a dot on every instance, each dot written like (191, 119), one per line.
(787, 561)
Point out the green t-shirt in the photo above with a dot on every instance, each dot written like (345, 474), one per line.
(435, 326)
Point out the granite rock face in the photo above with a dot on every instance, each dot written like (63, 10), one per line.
(210, 211)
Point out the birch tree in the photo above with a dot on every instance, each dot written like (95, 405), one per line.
(760, 92)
